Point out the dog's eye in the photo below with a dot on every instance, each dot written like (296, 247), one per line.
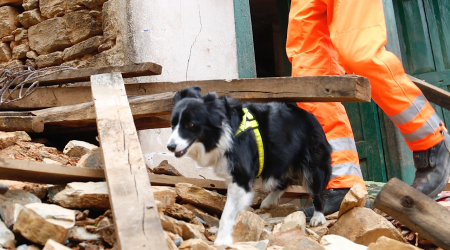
(190, 125)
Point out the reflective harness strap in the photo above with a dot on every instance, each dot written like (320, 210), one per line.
(249, 121)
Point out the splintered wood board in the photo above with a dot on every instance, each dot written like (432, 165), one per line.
(84, 74)
(348, 88)
(38, 172)
(136, 217)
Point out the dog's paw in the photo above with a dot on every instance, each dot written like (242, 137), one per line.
(268, 202)
(227, 240)
(317, 219)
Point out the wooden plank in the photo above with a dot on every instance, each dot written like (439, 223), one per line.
(81, 117)
(349, 88)
(434, 94)
(136, 218)
(415, 210)
(84, 74)
(9, 121)
(38, 172)
(20, 170)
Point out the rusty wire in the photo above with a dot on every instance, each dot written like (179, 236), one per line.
(23, 79)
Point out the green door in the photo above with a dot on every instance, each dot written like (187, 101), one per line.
(424, 35)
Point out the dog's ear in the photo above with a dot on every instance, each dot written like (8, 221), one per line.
(210, 97)
(192, 92)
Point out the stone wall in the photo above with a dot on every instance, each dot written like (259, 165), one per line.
(77, 33)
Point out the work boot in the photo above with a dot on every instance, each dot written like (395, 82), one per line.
(433, 168)
(3, 188)
(333, 200)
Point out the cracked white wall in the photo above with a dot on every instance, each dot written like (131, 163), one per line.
(192, 40)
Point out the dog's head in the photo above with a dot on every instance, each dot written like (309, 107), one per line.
(195, 119)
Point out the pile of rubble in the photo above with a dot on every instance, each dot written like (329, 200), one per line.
(77, 215)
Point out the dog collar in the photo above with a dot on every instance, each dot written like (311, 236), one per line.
(249, 121)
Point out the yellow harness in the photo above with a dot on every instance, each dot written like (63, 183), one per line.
(249, 121)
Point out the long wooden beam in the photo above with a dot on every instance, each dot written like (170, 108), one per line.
(415, 210)
(38, 172)
(349, 88)
(84, 74)
(136, 218)
(434, 94)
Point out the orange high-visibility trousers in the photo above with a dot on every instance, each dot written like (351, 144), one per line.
(330, 37)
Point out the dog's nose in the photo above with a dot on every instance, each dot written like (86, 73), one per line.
(171, 147)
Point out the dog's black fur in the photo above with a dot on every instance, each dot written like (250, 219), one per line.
(295, 148)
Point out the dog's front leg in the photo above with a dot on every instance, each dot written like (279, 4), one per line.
(238, 199)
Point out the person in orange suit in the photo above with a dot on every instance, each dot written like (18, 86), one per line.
(331, 37)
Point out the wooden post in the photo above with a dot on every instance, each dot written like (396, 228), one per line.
(135, 214)
(415, 210)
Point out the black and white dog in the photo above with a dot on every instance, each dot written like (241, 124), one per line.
(281, 143)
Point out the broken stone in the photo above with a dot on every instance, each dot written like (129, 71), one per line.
(356, 197)
(22, 135)
(7, 239)
(30, 4)
(40, 190)
(170, 243)
(194, 244)
(77, 149)
(30, 17)
(83, 48)
(9, 38)
(286, 237)
(336, 242)
(166, 195)
(41, 222)
(363, 226)
(179, 212)
(205, 199)
(304, 243)
(49, 36)
(11, 64)
(383, 243)
(20, 34)
(50, 161)
(165, 168)
(105, 228)
(53, 245)
(5, 52)
(92, 159)
(52, 59)
(8, 21)
(8, 201)
(319, 230)
(80, 234)
(7, 139)
(20, 51)
(259, 194)
(32, 54)
(249, 227)
(204, 217)
(51, 8)
(281, 210)
(192, 231)
(82, 26)
(89, 195)
(49, 153)
(294, 220)
(171, 225)
(257, 245)
(91, 4)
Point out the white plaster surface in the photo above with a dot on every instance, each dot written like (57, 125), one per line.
(192, 40)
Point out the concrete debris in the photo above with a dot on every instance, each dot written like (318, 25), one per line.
(53, 245)
(41, 222)
(208, 200)
(336, 242)
(7, 238)
(356, 197)
(89, 195)
(8, 201)
(249, 227)
(165, 168)
(294, 220)
(383, 243)
(363, 226)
